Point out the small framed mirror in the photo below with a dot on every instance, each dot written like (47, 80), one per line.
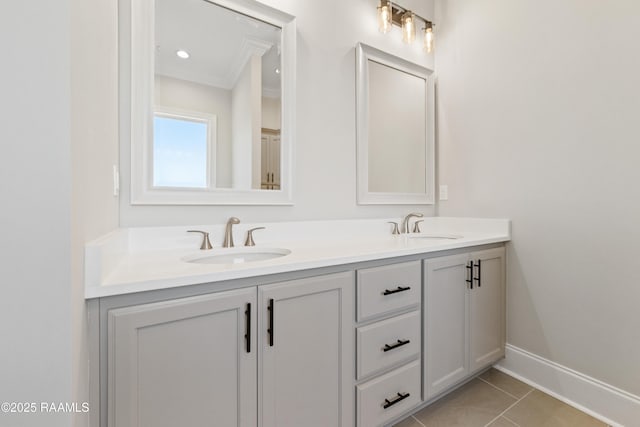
(211, 91)
(395, 129)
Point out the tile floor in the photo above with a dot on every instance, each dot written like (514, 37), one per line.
(498, 400)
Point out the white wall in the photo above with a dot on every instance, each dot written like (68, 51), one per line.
(94, 151)
(538, 108)
(35, 189)
(256, 121)
(271, 114)
(325, 119)
(171, 92)
(246, 107)
(59, 142)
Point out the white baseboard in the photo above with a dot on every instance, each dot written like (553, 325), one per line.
(607, 403)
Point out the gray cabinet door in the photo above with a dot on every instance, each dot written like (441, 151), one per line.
(307, 352)
(446, 301)
(184, 362)
(487, 308)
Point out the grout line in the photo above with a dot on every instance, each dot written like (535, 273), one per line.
(498, 388)
(418, 421)
(510, 420)
(511, 406)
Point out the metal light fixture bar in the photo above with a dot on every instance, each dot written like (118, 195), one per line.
(396, 15)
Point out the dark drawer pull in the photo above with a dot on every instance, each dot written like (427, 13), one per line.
(479, 274)
(272, 328)
(400, 343)
(470, 274)
(395, 291)
(400, 397)
(247, 336)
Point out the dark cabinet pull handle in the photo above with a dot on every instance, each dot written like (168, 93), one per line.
(271, 328)
(395, 291)
(388, 403)
(470, 274)
(247, 336)
(478, 279)
(400, 343)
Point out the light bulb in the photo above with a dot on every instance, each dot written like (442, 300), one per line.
(384, 16)
(428, 37)
(408, 27)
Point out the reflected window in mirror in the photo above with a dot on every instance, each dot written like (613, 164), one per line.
(182, 145)
(211, 95)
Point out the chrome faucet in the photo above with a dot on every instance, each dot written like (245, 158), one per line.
(405, 222)
(228, 232)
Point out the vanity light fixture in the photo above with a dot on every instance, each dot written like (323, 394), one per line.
(408, 27)
(384, 16)
(393, 14)
(428, 37)
(182, 54)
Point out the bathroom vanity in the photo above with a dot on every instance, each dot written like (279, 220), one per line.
(355, 327)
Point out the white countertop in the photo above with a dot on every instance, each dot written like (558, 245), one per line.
(144, 259)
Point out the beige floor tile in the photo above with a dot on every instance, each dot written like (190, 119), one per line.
(502, 422)
(541, 410)
(474, 404)
(507, 383)
(408, 422)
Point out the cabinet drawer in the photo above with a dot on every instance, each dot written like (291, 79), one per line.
(388, 288)
(388, 390)
(387, 343)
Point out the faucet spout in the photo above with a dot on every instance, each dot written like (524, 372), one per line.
(228, 232)
(405, 222)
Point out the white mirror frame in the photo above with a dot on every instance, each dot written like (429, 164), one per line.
(140, 40)
(364, 54)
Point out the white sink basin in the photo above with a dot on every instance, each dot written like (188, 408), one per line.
(435, 236)
(236, 255)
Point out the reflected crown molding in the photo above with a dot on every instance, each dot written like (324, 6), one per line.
(250, 47)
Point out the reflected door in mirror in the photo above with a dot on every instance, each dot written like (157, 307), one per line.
(270, 159)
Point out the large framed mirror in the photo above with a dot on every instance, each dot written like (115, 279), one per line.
(395, 129)
(211, 101)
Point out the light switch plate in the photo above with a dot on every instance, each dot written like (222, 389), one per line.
(116, 181)
(444, 192)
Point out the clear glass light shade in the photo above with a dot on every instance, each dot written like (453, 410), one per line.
(384, 16)
(408, 27)
(428, 39)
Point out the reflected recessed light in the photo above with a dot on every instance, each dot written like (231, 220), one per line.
(182, 54)
(277, 70)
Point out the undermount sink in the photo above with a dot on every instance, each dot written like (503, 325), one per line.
(435, 236)
(237, 255)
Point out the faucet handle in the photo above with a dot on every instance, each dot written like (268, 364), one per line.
(416, 226)
(249, 241)
(206, 244)
(394, 230)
